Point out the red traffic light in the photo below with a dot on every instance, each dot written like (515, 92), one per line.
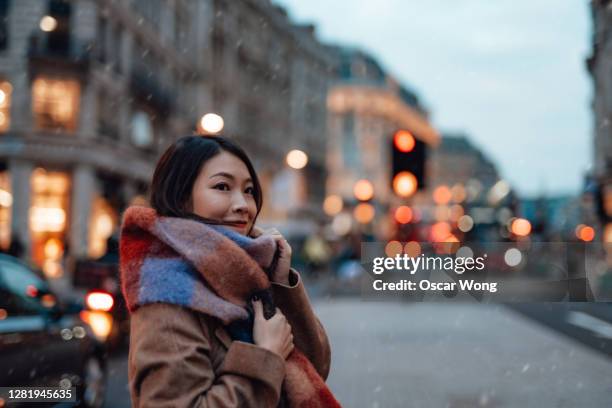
(404, 141)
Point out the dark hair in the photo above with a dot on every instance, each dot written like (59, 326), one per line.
(179, 167)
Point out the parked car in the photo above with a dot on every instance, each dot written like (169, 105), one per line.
(44, 343)
(107, 312)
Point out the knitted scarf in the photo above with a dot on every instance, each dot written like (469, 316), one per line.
(213, 270)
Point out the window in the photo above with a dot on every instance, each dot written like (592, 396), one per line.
(182, 26)
(149, 9)
(142, 129)
(350, 150)
(5, 106)
(6, 205)
(55, 103)
(103, 223)
(49, 215)
(108, 112)
(4, 30)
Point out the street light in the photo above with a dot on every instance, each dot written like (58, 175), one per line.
(211, 123)
(297, 159)
(48, 24)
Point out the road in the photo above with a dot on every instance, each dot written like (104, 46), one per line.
(445, 355)
(589, 323)
(457, 355)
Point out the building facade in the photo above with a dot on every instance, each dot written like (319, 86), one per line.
(269, 80)
(597, 202)
(92, 92)
(366, 106)
(465, 181)
(600, 65)
(458, 161)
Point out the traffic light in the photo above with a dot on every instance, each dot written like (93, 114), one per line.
(408, 163)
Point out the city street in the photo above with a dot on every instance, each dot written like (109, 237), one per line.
(442, 184)
(445, 355)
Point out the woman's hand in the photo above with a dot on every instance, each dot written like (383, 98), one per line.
(281, 274)
(273, 334)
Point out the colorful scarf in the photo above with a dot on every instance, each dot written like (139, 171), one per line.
(213, 270)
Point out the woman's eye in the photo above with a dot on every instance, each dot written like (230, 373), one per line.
(222, 187)
(250, 190)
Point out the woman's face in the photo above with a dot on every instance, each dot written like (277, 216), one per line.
(223, 191)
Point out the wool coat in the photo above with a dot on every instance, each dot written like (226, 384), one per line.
(183, 358)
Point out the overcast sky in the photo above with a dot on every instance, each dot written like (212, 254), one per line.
(509, 73)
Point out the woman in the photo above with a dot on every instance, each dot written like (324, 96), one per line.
(218, 317)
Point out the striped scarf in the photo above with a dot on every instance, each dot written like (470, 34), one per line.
(213, 270)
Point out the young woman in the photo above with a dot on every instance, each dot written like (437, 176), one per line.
(218, 316)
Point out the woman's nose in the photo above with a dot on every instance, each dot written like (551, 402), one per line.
(239, 203)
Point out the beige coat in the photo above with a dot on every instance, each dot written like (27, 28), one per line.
(182, 358)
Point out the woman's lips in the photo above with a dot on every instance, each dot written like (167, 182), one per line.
(238, 225)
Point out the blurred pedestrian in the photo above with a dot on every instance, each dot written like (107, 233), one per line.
(112, 250)
(16, 247)
(216, 308)
(317, 252)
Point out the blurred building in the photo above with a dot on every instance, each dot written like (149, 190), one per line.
(464, 181)
(366, 107)
(91, 92)
(270, 84)
(599, 64)
(554, 218)
(458, 161)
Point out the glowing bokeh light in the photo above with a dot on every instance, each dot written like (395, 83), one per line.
(521, 227)
(332, 205)
(403, 214)
(404, 141)
(363, 190)
(404, 184)
(212, 123)
(297, 159)
(442, 195)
